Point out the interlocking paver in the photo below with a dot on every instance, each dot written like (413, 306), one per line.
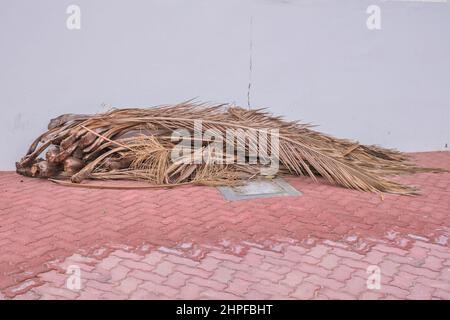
(190, 243)
(129, 285)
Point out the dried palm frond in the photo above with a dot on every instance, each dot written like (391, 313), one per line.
(137, 144)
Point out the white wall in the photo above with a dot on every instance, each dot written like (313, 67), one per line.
(313, 60)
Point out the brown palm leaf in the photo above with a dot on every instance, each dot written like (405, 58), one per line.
(144, 137)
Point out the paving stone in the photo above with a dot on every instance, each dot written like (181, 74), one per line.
(198, 245)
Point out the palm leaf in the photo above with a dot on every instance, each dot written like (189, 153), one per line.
(144, 136)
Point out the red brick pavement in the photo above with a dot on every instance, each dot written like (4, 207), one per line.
(189, 242)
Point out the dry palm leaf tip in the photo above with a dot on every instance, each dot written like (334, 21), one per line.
(139, 144)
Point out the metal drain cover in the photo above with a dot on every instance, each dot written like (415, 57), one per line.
(261, 188)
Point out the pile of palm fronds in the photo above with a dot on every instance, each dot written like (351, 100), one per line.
(136, 144)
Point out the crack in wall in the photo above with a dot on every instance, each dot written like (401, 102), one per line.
(250, 71)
